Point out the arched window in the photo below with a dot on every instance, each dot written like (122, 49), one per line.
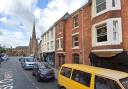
(76, 58)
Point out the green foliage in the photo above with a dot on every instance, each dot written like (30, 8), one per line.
(2, 50)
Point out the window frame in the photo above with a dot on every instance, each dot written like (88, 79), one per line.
(74, 41)
(75, 21)
(99, 27)
(101, 4)
(109, 7)
(86, 85)
(115, 29)
(63, 67)
(74, 58)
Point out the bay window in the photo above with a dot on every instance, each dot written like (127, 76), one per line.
(108, 32)
(101, 33)
(100, 5)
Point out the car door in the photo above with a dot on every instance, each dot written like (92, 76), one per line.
(64, 77)
(102, 82)
(81, 80)
(36, 69)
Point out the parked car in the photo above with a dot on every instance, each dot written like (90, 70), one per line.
(5, 57)
(20, 59)
(1, 60)
(27, 62)
(78, 76)
(43, 71)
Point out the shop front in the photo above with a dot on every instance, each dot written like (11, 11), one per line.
(112, 60)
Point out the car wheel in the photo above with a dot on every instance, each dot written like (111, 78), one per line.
(24, 67)
(62, 88)
(38, 78)
(33, 74)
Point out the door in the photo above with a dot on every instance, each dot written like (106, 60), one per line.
(81, 80)
(64, 77)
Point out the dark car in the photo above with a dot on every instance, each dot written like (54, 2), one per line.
(1, 59)
(43, 71)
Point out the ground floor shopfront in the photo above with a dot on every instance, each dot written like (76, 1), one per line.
(49, 57)
(117, 62)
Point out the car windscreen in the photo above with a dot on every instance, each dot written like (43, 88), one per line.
(44, 66)
(124, 82)
(29, 59)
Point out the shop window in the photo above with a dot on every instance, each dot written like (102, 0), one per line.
(66, 72)
(101, 33)
(81, 77)
(105, 83)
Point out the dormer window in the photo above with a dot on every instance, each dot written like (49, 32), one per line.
(100, 5)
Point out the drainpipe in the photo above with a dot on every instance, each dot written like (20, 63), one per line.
(83, 49)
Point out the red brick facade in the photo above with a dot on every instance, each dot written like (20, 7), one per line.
(124, 15)
(65, 29)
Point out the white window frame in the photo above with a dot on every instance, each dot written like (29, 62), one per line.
(73, 42)
(99, 5)
(110, 41)
(60, 43)
(115, 31)
(74, 21)
(109, 7)
(97, 28)
(51, 45)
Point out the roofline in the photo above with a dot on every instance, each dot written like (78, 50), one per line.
(84, 6)
(48, 30)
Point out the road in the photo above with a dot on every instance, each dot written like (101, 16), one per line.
(12, 76)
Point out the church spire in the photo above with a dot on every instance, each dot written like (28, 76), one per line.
(33, 32)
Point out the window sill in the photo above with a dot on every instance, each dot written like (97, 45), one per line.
(75, 48)
(75, 28)
(60, 49)
(104, 11)
(106, 43)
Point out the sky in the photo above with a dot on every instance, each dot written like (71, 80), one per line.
(17, 18)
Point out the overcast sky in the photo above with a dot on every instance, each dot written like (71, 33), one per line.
(17, 17)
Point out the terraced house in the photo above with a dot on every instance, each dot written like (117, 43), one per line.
(95, 34)
(109, 34)
(48, 46)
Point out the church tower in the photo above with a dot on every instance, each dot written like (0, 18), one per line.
(33, 44)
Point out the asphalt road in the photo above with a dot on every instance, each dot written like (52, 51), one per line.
(12, 76)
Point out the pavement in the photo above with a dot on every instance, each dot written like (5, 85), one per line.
(56, 71)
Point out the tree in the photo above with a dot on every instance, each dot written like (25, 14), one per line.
(2, 50)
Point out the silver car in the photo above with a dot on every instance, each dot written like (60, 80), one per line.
(28, 62)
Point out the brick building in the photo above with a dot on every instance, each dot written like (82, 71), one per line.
(17, 51)
(95, 34)
(60, 40)
(109, 34)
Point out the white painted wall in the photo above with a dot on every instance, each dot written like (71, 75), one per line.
(46, 40)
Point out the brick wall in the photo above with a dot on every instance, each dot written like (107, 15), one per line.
(124, 14)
